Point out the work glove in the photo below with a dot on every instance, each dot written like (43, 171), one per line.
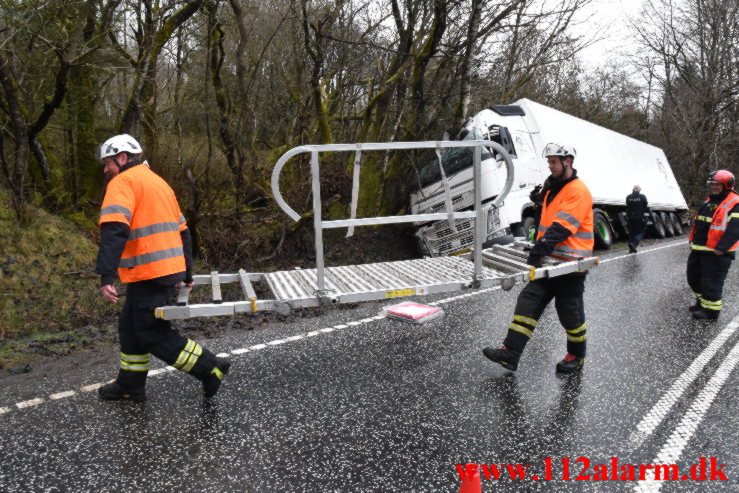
(535, 260)
(535, 195)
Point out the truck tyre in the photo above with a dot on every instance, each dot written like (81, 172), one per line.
(669, 229)
(603, 230)
(676, 224)
(528, 229)
(657, 230)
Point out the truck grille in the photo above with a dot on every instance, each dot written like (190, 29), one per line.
(441, 240)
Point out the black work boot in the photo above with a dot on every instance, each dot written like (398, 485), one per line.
(632, 248)
(115, 392)
(506, 357)
(212, 382)
(706, 314)
(570, 364)
(697, 307)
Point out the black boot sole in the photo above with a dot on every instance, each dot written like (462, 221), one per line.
(122, 397)
(508, 365)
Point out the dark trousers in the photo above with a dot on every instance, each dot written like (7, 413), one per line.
(706, 275)
(636, 232)
(142, 334)
(567, 292)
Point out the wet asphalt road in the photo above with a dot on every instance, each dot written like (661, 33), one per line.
(381, 405)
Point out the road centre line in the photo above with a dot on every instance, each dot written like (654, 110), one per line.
(659, 411)
(675, 445)
(313, 333)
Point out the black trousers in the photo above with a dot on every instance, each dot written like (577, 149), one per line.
(706, 275)
(567, 292)
(636, 231)
(141, 334)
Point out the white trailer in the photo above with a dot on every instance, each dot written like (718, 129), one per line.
(609, 163)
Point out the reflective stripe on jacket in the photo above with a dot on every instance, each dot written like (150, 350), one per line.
(572, 207)
(719, 221)
(141, 199)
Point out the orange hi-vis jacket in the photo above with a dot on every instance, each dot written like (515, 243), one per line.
(718, 222)
(141, 199)
(572, 207)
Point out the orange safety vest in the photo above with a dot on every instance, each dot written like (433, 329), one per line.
(572, 207)
(718, 224)
(143, 200)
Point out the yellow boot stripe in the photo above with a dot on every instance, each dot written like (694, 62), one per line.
(217, 373)
(521, 329)
(577, 330)
(194, 358)
(526, 320)
(184, 354)
(576, 339)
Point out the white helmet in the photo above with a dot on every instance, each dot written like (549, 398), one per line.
(117, 144)
(553, 149)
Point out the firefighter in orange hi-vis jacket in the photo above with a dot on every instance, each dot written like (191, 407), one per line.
(145, 241)
(713, 242)
(566, 227)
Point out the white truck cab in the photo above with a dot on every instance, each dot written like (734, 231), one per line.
(608, 162)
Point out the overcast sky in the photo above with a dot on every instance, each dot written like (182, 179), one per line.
(609, 18)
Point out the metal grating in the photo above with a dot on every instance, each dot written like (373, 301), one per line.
(385, 276)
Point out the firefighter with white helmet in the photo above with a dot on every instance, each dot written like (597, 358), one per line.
(713, 243)
(565, 228)
(145, 241)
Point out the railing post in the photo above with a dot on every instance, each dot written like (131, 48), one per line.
(480, 217)
(317, 223)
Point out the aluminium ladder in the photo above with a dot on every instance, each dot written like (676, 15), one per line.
(499, 265)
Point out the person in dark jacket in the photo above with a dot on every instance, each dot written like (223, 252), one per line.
(636, 206)
(713, 243)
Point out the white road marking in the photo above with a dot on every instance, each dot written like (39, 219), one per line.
(294, 338)
(92, 387)
(32, 402)
(314, 333)
(674, 446)
(643, 252)
(657, 414)
(223, 355)
(62, 395)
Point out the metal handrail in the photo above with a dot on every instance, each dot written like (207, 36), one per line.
(319, 225)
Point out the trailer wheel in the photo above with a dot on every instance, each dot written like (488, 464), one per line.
(657, 229)
(676, 224)
(603, 230)
(528, 229)
(669, 229)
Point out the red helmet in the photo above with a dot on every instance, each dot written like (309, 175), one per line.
(726, 178)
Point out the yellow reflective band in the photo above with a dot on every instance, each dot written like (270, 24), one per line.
(133, 358)
(576, 339)
(577, 330)
(526, 320)
(193, 358)
(129, 367)
(520, 329)
(701, 248)
(184, 354)
(217, 373)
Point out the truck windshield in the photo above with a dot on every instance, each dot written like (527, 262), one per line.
(455, 159)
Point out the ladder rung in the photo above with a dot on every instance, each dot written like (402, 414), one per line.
(183, 295)
(246, 285)
(215, 283)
